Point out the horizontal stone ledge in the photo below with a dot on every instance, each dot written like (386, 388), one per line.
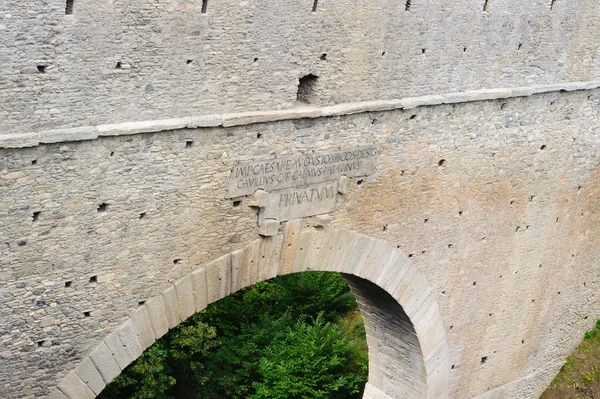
(301, 111)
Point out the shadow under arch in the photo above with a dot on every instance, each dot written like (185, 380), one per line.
(405, 332)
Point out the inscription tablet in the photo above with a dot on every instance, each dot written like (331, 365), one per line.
(300, 170)
(294, 203)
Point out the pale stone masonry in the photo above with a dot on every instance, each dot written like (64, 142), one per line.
(493, 202)
(406, 360)
(471, 240)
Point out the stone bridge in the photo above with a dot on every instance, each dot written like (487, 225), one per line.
(157, 156)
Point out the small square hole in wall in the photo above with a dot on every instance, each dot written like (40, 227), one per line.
(142, 215)
(189, 144)
(40, 344)
(176, 261)
(236, 203)
(68, 284)
(41, 68)
(34, 162)
(119, 65)
(103, 207)
(484, 359)
(87, 314)
(94, 279)
(306, 88)
(69, 7)
(36, 216)
(141, 303)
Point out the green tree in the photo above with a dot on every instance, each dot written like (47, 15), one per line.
(307, 360)
(179, 356)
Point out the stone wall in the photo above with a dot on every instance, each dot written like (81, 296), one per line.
(494, 201)
(116, 61)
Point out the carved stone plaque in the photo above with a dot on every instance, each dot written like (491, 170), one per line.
(300, 170)
(294, 203)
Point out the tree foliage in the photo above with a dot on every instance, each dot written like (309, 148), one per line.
(297, 336)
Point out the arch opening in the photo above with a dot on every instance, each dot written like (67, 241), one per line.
(304, 328)
(405, 332)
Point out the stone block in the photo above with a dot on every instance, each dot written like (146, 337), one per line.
(250, 264)
(218, 278)
(335, 247)
(199, 288)
(404, 282)
(301, 251)
(90, 375)
(388, 277)
(344, 185)
(268, 259)
(46, 321)
(269, 228)
(118, 350)
(129, 337)
(414, 290)
(57, 394)
(259, 199)
(105, 362)
(143, 327)
(73, 387)
(298, 202)
(291, 229)
(322, 221)
(171, 307)
(356, 255)
(316, 249)
(185, 297)
(419, 299)
(237, 260)
(158, 316)
(374, 260)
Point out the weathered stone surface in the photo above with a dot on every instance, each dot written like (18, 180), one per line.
(218, 279)
(122, 356)
(129, 337)
(268, 257)
(74, 388)
(291, 230)
(344, 185)
(300, 170)
(90, 375)
(58, 395)
(249, 269)
(105, 362)
(466, 191)
(171, 307)
(269, 228)
(200, 290)
(143, 327)
(185, 297)
(295, 203)
(158, 316)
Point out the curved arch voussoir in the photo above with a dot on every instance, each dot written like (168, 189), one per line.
(416, 327)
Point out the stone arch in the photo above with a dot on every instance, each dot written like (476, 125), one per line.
(402, 317)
